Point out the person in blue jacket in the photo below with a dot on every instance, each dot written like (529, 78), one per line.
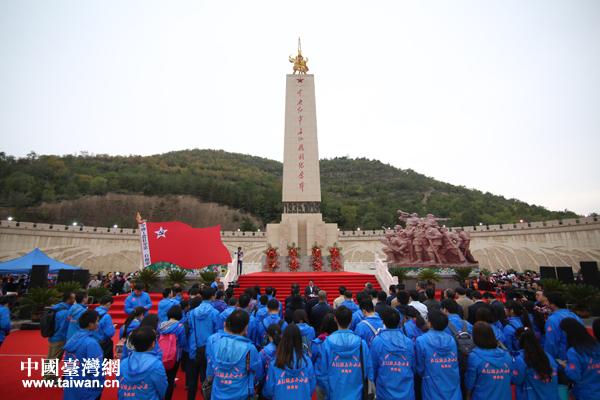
(262, 311)
(437, 360)
(165, 304)
(370, 326)
(486, 313)
(106, 329)
(582, 365)
(270, 292)
(328, 326)
(291, 374)
(307, 331)
(143, 374)
(273, 318)
(61, 324)
(556, 340)
(133, 320)
(534, 372)
(358, 316)
(83, 358)
(450, 308)
(517, 317)
(413, 327)
(393, 357)
(75, 312)
(341, 354)
(489, 367)
(268, 353)
(175, 327)
(348, 302)
(203, 322)
(537, 320)
(5, 326)
(138, 298)
(220, 305)
(233, 305)
(232, 380)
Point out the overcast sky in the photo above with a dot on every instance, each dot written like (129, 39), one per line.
(501, 96)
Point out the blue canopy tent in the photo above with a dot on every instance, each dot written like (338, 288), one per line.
(23, 264)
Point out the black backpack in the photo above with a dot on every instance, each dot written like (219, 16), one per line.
(48, 322)
(465, 344)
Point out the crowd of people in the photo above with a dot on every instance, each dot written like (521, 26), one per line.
(408, 344)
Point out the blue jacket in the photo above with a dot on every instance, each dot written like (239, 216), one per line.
(224, 315)
(261, 313)
(203, 322)
(80, 346)
(556, 339)
(584, 371)
(220, 305)
(228, 365)
(351, 305)
(316, 356)
(132, 301)
(143, 376)
(457, 322)
(306, 330)
(259, 328)
(106, 328)
(366, 333)
(511, 342)
(5, 326)
(393, 357)
(74, 313)
(411, 330)
(499, 332)
(343, 378)
(176, 328)
(528, 385)
(541, 336)
(358, 316)
(296, 383)
(134, 324)
(266, 355)
(280, 305)
(163, 308)
(440, 373)
(61, 322)
(488, 374)
(210, 347)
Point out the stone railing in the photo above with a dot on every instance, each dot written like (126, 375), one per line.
(383, 275)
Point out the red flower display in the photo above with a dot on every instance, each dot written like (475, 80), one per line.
(272, 262)
(317, 258)
(334, 258)
(293, 258)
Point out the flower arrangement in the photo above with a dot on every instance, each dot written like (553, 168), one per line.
(317, 257)
(272, 262)
(334, 258)
(292, 258)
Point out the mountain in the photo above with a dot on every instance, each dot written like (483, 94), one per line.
(355, 192)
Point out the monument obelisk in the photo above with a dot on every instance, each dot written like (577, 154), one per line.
(302, 221)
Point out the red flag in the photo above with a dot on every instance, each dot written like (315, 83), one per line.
(180, 244)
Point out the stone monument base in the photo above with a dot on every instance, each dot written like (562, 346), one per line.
(304, 230)
(430, 265)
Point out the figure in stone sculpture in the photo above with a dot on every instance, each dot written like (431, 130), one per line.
(464, 244)
(434, 237)
(450, 244)
(416, 231)
(397, 244)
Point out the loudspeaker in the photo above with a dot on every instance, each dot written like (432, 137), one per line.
(39, 276)
(81, 276)
(547, 272)
(589, 270)
(64, 275)
(565, 274)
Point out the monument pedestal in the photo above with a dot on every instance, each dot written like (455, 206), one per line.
(304, 230)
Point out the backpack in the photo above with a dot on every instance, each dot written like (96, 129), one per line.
(306, 345)
(465, 344)
(168, 345)
(265, 338)
(48, 322)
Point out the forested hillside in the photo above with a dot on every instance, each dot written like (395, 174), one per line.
(355, 192)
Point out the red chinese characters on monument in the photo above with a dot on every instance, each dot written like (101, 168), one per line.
(300, 138)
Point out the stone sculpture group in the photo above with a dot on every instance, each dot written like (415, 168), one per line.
(424, 241)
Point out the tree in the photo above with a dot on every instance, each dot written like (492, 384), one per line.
(348, 216)
(20, 182)
(99, 185)
(247, 225)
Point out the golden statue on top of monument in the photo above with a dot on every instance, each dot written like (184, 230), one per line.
(299, 62)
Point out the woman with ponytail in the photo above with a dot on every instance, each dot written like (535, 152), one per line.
(534, 371)
(328, 326)
(296, 366)
(268, 353)
(412, 326)
(518, 317)
(134, 319)
(583, 365)
(487, 314)
(539, 324)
